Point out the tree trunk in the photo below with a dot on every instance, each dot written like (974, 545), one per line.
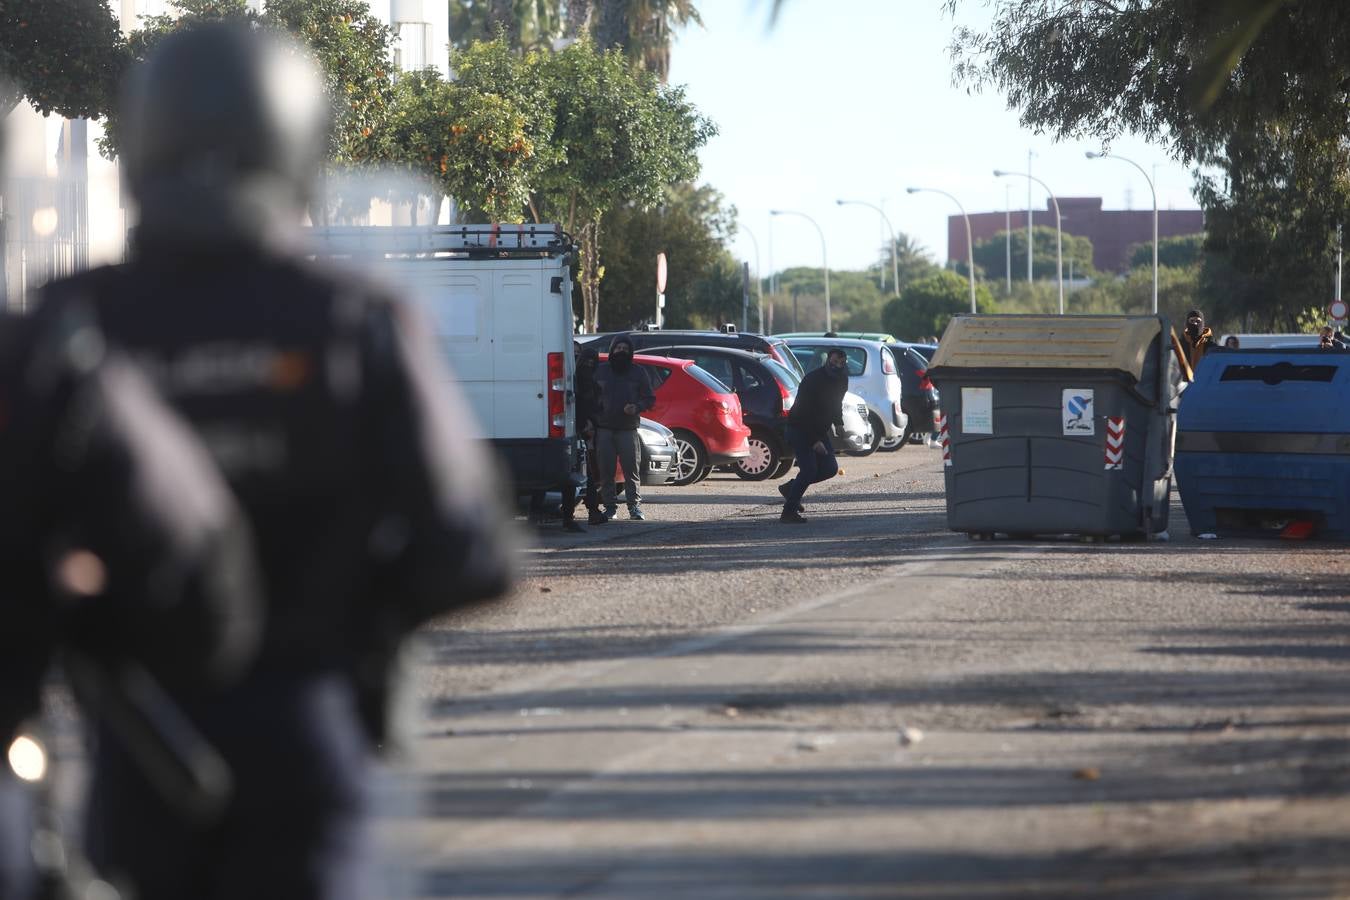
(578, 18)
(612, 27)
(502, 15)
(590, 274)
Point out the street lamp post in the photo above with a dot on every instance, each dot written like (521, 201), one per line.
(1059, 232)
(759, 280)
(895, 267)
(970, 244)
(1091, 154)
(824, 258)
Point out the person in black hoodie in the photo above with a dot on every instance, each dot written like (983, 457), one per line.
(820, 404)
(588, 407)
(625, 393)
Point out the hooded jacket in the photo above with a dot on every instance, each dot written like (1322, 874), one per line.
(820, 402)
(620, 384)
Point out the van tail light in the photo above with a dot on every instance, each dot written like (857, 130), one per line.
(925, 383)
(557, 396)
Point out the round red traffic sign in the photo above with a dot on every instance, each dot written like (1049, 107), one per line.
(1338, 309)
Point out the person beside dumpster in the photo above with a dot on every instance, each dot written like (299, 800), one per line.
(1231, 342)
(1330, 339)
(1196, 338)
(327, 407)
(625, 393)
(819, 405)
(123, 554)
(587, 397)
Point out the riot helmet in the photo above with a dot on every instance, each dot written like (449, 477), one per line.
(224, 129)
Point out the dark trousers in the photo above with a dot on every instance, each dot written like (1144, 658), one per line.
(296, 828)
(623, 445)
(591, 497)
(16, 835)
(812, 465)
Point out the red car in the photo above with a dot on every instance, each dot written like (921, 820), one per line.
(702, 411)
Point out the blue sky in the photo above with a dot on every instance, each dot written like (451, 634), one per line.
(819, 109)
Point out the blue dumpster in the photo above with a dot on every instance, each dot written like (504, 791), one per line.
(1263, 442)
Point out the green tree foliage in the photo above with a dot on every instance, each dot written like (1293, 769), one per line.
(1184, 251)
(621, 138)
(1251, 89)
(912, 261)
(703, 285)
(62, 56)
(926, 306)
(523, 24)
(351, 46)
(856, 300)
(991, 255)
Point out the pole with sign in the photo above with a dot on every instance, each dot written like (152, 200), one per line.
(1338, 311)
(660, 289)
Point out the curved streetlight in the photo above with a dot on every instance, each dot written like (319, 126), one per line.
(1092, 154)
(970, 244)
(759, 284)
(829, 322)
(895, 268)
(1059, 232)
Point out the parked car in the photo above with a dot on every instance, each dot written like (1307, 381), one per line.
(921, 400)
(767, 391)
(857, 437)
(872, 374)
(881, 336)
(736, 340)
(659, 454)
(703, 413)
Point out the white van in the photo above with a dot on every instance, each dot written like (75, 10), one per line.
(499, 298)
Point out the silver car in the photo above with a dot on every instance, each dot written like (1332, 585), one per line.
(857, 437)
(872, 374)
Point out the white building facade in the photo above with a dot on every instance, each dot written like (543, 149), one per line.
(64, 210)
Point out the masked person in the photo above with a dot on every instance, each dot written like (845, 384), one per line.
(625, 393)
(121, 549)
(1330, 339)
(1196, 338)
(587, 394)
(355, 460)
(819, 405)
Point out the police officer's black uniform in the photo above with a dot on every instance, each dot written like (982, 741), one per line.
(327, 409)
(118, 541)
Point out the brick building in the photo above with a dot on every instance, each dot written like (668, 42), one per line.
(1112, 231)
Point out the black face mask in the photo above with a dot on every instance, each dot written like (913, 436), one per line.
(1194, 327)
(620, 360)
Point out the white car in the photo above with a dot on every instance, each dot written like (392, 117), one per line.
(857, 436)
(872, 374)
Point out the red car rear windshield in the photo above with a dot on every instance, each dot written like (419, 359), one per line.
(709, 381)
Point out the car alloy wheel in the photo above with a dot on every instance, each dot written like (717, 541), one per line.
(690, 460)
(763, 458)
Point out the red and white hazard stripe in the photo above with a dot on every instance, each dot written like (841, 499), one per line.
(946, 440)
(1115, 442)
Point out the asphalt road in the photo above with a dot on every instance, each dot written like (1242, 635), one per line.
(710, 704)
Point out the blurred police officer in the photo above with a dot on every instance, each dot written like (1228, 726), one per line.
(326, 407)
(119, 544)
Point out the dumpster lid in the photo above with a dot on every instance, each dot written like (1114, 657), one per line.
(1048, 342)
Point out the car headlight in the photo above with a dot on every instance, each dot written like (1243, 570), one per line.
(652, 438)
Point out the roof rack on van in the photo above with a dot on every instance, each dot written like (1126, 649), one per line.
(455, 240)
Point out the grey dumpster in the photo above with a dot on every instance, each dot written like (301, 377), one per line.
(1057, 424)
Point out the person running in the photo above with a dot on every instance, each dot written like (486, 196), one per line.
(820, 404)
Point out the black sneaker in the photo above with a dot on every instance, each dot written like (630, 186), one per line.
(597, 518)
(792, 517)
(635, 512)
(609, 512)
(783, 489)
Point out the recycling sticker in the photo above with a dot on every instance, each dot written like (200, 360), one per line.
(1077, 412)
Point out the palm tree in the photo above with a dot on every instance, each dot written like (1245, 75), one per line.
(643, 29)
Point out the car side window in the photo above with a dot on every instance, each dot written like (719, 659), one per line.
(811, 358)
(657, 375)
(857, 360)
(716, 366)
